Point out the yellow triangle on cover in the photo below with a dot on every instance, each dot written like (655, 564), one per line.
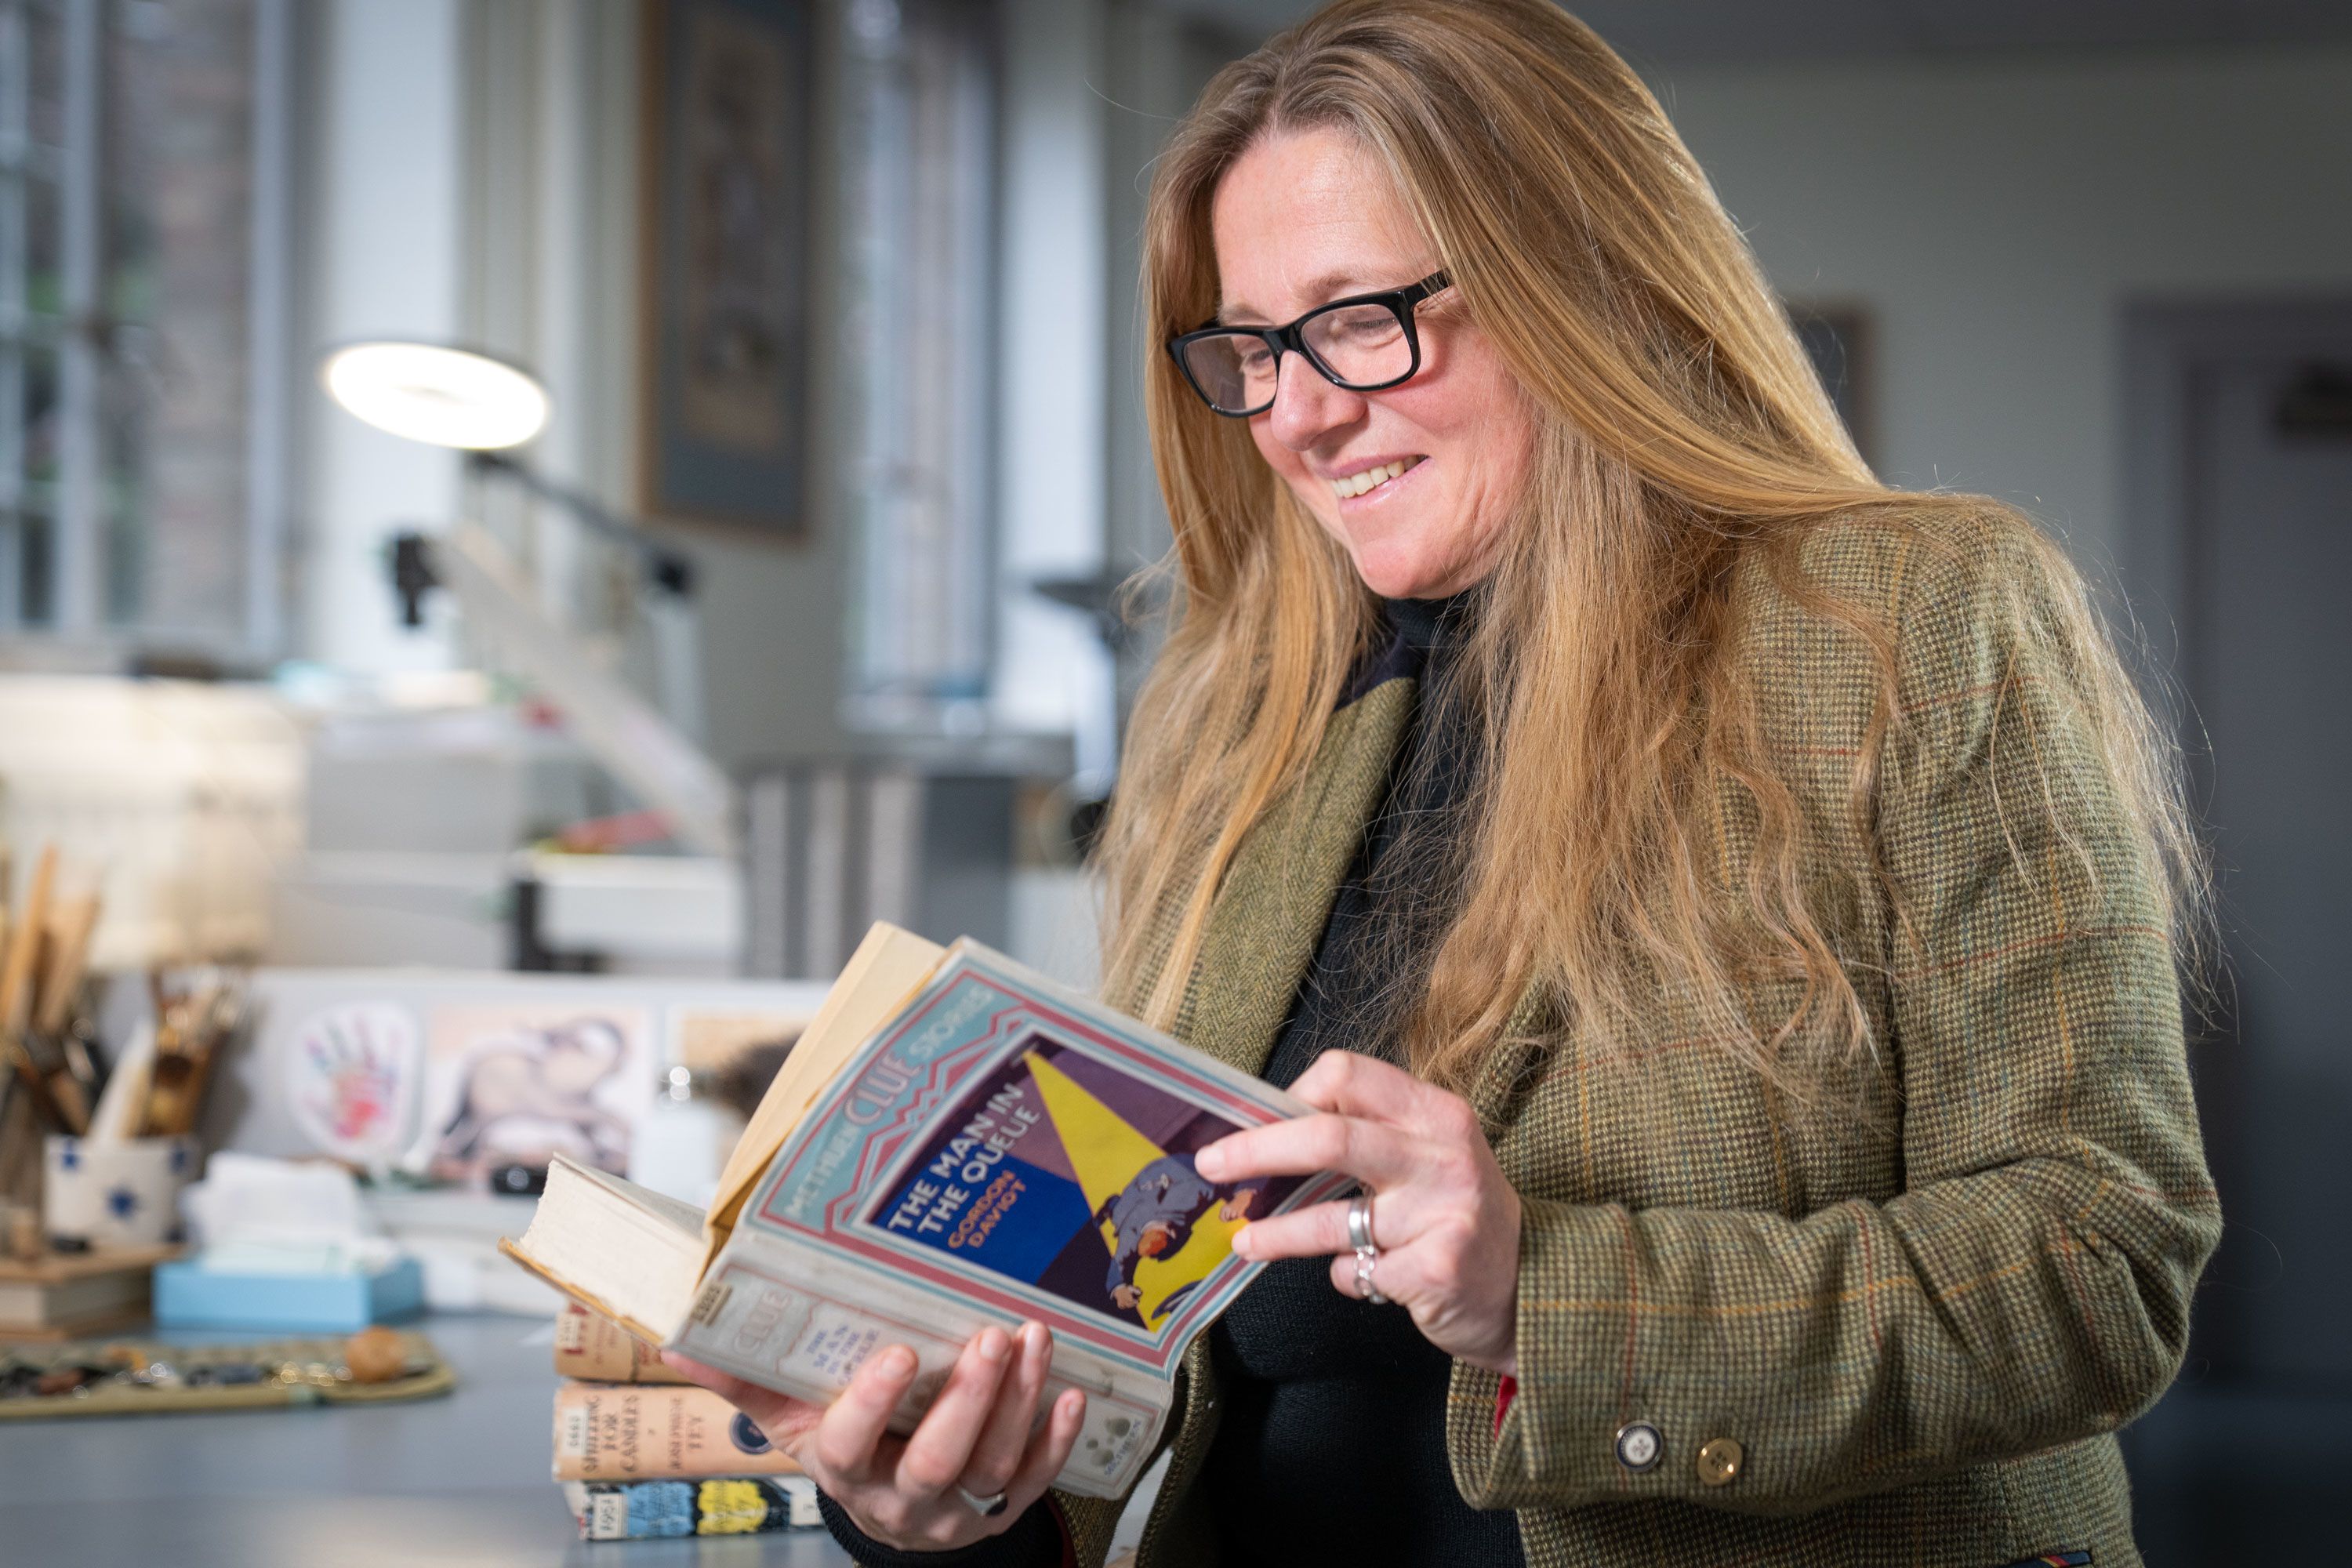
(1105, 1151)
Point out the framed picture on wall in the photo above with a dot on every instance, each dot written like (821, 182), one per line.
(723, 212)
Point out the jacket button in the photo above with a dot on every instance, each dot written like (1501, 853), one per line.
(1639, 1447)
(1719, 1459)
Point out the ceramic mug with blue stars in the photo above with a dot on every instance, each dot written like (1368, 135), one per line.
(109, 1196)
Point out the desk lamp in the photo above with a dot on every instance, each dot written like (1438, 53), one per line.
(484, 406)
(481, 406)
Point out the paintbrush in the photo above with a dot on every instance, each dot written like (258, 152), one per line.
(188, 1035)
(44, 1069)
(32, 928)
(7, 892)
(70, 929)
(16, 977)
(7, 1079)
(65, 1061)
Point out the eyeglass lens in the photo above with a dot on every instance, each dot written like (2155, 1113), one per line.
(1355, 346)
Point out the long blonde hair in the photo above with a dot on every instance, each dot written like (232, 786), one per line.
(1681, 428)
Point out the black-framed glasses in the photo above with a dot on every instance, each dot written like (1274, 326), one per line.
(1362, 343)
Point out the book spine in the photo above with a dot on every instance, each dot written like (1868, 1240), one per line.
(726, 1505)
(632, 1432)
(592, 1348)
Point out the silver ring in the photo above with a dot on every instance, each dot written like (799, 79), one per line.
(987, 1507)
(1366, 1257)
(1359, 1224)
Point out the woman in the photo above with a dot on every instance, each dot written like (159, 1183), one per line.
(1747, 898)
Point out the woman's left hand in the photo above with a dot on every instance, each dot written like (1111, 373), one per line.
(1443, 1218)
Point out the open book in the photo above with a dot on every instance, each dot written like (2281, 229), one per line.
(955, 1142)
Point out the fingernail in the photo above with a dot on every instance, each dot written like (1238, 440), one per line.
(1033, 1337)
(1243, 1245)
(1210, 1161)
(898, 1361)
(992, 1344)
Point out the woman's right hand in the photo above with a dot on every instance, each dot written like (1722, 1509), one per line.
(981, 1435)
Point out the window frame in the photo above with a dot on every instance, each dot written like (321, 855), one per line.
(884, 474)
(76, 512)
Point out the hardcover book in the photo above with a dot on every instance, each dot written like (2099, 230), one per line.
(592, 1348)
(731, 1505)
(629, 1432)
(956, 1142)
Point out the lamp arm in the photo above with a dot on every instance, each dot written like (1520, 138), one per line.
(666, 568)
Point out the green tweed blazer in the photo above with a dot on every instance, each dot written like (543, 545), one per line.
(1921, 1326)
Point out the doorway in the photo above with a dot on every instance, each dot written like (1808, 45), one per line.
(2239, 463)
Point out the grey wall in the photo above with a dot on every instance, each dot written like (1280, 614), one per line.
(1050, 371)
(1995, 217)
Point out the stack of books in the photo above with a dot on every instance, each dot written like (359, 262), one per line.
(642, 1452)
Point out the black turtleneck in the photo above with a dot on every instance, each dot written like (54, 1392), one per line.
(1332, 1447)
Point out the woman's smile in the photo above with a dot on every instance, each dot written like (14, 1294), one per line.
(1374, 482)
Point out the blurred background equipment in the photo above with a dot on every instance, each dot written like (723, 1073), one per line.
(478, 405)
(928, 843)
(180, 802)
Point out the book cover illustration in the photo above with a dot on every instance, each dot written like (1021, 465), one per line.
(997, 1147)
(1054, 1158)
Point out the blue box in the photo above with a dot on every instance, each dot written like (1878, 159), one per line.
(189, 1296)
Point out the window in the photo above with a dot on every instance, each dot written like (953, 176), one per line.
(919, 150)
(141, 142)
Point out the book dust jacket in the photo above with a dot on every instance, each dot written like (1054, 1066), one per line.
(996, 1146)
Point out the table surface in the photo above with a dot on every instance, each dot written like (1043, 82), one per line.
(459, 1480)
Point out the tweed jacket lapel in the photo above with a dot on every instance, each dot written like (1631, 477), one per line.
(1269, 915)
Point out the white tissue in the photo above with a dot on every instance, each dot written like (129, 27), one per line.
(253, 1214)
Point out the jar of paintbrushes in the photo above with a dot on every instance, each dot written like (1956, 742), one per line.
(97, 1142)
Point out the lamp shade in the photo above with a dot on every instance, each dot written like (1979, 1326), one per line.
(443, 396)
